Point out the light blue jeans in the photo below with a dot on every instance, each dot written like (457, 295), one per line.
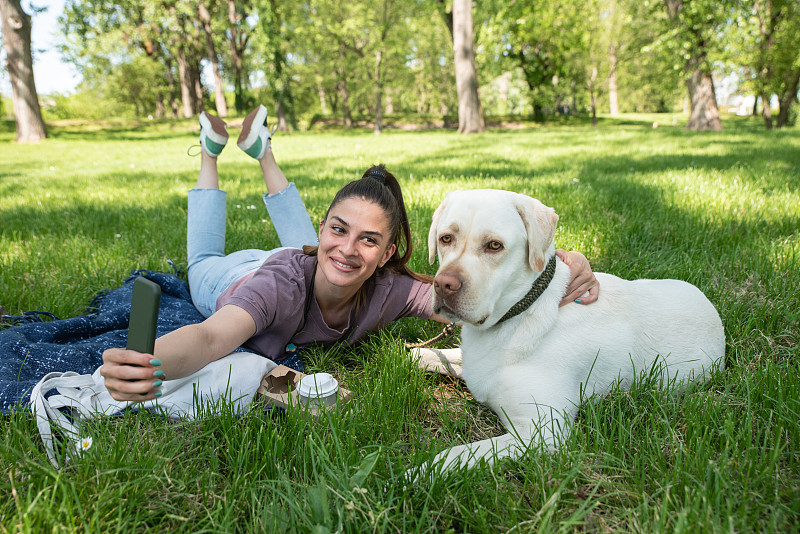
(211, 272)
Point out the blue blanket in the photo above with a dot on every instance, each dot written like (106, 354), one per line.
(31, 350)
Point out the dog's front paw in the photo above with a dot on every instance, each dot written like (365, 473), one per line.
(442, 464)
(442, 361)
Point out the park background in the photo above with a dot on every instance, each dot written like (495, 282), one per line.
(665, 186)
(391, 63)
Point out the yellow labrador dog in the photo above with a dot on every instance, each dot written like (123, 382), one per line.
(531, 361)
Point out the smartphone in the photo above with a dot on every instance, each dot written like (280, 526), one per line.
(144, 315)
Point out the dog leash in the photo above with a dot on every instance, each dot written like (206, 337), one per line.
(447, 332)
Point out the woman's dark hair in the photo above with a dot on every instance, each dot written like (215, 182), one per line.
(379, 186)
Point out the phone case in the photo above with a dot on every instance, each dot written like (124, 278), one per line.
(144, 315)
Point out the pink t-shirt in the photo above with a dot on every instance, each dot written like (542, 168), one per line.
(275, 296)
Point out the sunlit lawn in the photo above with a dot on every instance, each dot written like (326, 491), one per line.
(721, 210)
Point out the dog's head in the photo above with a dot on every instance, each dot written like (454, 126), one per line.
(491, 244)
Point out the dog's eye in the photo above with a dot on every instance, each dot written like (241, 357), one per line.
(494, 245)
(446, 239)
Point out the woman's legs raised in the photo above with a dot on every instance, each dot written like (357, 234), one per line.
(285, 207)
(210, 270)
(273, 175)
(208, 178)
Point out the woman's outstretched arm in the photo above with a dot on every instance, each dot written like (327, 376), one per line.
(133, 376)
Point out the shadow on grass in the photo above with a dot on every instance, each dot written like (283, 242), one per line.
(602, 184)
(121, 132)
(733, 152)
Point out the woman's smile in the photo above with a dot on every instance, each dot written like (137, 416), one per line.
(343, 266)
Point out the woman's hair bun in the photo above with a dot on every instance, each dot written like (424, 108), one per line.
(377, 173)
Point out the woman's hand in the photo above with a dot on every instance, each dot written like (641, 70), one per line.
(131, 375)
(583, 287)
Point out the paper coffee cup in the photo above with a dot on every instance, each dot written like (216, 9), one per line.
(318, 389)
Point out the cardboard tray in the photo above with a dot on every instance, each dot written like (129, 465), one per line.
(279, 388)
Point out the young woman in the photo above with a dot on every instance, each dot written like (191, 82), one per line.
(334, 284)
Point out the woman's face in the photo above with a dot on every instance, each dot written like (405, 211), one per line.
(353, 242)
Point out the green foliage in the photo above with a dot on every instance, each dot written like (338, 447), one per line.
(325, 62)
(764, 46)
(88, 104)
(507, 94)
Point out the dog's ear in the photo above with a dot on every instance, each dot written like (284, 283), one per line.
(432, 233)
(540, 224)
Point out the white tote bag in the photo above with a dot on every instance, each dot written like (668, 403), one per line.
(233, 379)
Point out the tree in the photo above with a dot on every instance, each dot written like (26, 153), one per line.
(219, 89)
(109, 34)
(695, 25)
(470, 114)
(614, 44)
(106, 37)
(239, 33)
(16, 26)
(349, 54)
(775, 56)
(537, 38)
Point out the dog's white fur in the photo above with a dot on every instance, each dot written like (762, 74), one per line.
(535, 369)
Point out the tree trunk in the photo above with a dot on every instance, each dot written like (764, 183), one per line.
(503, 90)
(173, 100)
(593, 94)
(161, 110)
(389, 108)
(755, 106)
(238, 44)
(573, 90)
(378, 127)
(16, 27)
(345, 97)
(187, 85)
(613, 100)
(323, 104)
(343, 92)
(470, 115)
(283, 123)
(538, 112)
(219, 89)
(704, 114)
(199, 104)
(785, 102)
(767, 111)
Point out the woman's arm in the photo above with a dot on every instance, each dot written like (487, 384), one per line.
(130, 375)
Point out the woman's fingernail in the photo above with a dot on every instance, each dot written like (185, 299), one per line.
(155, 363)
(157, 394)
(159, 374)
(157, 383)
(578, 301)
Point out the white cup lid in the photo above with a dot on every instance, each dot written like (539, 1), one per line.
(318, 385)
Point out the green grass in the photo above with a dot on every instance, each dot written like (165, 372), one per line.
(721, 210)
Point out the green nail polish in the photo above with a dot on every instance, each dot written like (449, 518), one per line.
(157, 383)
(154, 362)
(157, 394)
(159, 374)
(578, 301)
